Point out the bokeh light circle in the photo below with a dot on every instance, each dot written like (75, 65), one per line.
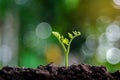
(33, 42)
(113, 55)
(53, 53)
(113, 32)
(43, 30)
(91, 42)
(117, 2)
(103, 19)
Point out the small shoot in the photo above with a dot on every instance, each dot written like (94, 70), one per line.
(66, 42)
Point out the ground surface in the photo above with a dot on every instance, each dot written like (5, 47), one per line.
(52, 72)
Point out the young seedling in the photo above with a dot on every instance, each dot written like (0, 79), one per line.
(66, 42)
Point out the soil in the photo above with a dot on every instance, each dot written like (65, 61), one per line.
(53, 72)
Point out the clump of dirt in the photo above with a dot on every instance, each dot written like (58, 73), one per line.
(53, 72)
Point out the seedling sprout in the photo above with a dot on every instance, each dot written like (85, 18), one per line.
(66, 42)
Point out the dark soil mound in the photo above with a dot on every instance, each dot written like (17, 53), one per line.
(52, 72)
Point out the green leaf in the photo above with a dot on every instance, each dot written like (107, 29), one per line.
(70, 35)
(76, 33)
(56, 34)
(65, 41)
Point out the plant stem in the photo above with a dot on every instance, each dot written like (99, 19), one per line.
(66, 55)
(66, 59)
(64, 48)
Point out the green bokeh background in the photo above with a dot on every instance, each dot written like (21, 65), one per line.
(63, 16)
